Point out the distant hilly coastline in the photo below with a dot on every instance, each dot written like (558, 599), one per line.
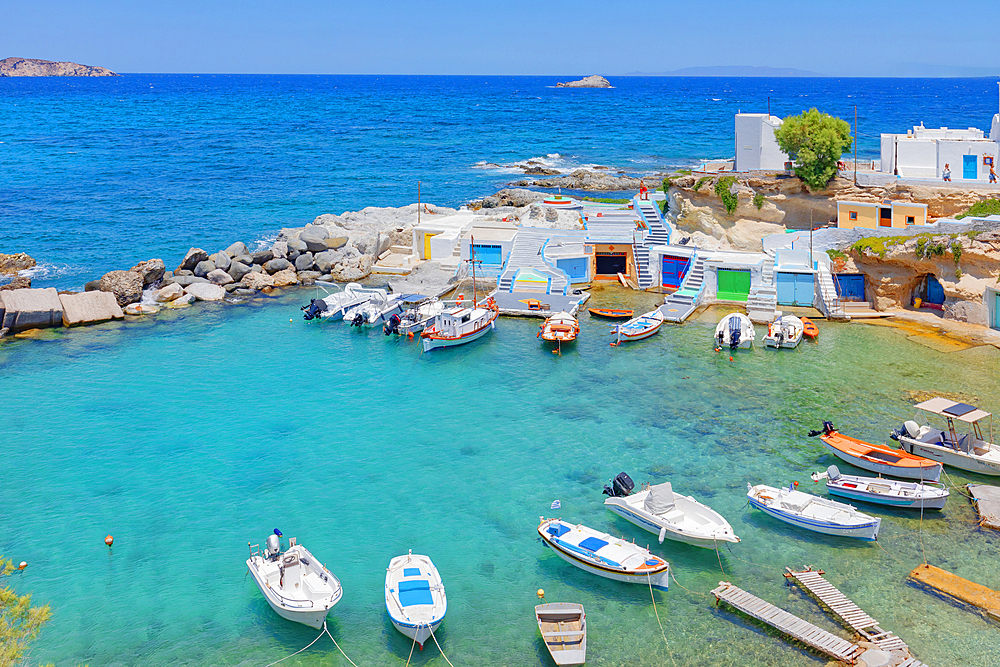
(33, 67)
(733, 70)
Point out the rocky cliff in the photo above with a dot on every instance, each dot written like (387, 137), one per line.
(32, 67)
(592, 81)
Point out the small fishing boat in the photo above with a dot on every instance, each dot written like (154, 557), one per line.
(604, 555)
(414, 596)
(967, 451)
(612, 313)
(560, 328)
(564, 629)
(814, 513)
(809, 329)
(364, 314)
(294, 583)
(459, 325)
(882, 459)
(638, 328)
(882, 491)
(333, 306)
(396, 304)
(784, 332)
(414, 319)
(672, 516)
(735, 330)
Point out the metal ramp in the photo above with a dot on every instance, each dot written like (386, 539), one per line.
(526, 253)
(678, 306)
(658, 235)
(802, 631)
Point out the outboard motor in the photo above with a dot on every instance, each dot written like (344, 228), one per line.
(833, 472)
(315, 307)
(827, 430)
(358, 320)
(621, 486)
(273, 547)
(392, 326)
(734, 333)
(910, 428)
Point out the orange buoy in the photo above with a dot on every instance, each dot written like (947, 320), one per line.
(796, 483)
(109, 540)
(23, 564)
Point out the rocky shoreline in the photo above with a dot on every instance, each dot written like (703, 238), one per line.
(34, 67)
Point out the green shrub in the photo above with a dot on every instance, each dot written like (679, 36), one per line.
(664, 206)
(814, 141)
(958, 274)
(722, 188)
(758, 201)
(684, 172)
(982, 208)
(667, 182)
(956, 251)
(836, 254)
(701, 182)
(972, 235)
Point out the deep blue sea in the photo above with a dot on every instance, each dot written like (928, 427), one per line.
(189, 434)
(97, 174)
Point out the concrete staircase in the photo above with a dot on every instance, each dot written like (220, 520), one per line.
(678, 306)
(762, 302)
(527, 254)
(828, 301)
(658, 235)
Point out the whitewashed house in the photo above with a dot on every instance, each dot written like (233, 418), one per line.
(924, 152)
(756, 147)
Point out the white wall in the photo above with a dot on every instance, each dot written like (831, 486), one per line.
(953, 152)
(756, 147)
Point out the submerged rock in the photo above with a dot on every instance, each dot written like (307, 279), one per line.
(205, 292)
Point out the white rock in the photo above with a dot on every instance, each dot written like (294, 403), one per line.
(181, 301)
(205, 292)
(169, 292)
(219, 277)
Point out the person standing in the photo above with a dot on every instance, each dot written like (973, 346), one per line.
(947, 172)
(993, 174)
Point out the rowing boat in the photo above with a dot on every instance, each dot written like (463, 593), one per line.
(612, 313)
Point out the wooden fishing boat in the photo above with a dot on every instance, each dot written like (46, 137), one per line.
(604, 555)
(814, 513)
(809, 329)
(560, 328)
(612, 313)
(882, 491)
(970, 451)
(564, 628)
(878, 458)
(638, 328)
(414, 596)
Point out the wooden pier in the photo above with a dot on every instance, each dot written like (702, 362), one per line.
(788, 624)
(984, 599)
(843, 609)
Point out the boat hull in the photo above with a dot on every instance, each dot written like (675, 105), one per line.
(314, 618)
(420, 633)
(929, 474)
(646, 523)
(657, 579)
(867, 531)
(932, 503)
(950, 457)
(433, 342)
(611, 313)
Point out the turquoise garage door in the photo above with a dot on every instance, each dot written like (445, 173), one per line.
(575, 268)
(795, 289)
(489, 255)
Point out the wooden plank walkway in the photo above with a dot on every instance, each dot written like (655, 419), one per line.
(789, 624)
(848, 613)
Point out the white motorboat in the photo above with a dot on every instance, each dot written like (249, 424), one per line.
(604, 555)
(414, 596)
(403, 307)
(459, 325)
(564, 629)
(735, 331)
(814, 513)
(638, 328)
(882, 491)
(969, 451)
(673, 516)
(784, 332)
(334, 306)
(293, 582)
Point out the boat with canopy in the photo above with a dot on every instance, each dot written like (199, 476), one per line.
(970, 451)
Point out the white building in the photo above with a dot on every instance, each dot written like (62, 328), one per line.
(924, 152)
(756, 147)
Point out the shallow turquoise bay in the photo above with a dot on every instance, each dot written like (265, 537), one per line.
(190, 435)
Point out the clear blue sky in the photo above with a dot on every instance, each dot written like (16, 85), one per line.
(845, 38)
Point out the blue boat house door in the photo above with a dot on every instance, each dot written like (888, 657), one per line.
(850, 286)
(673, 271)
(795, 289)
(969, 167)
(489, 255)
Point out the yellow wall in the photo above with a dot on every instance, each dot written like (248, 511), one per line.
(614, 247)
(901, 211)
(867, 216)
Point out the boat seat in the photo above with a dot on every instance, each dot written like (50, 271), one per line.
(414, 592)
(673, 515)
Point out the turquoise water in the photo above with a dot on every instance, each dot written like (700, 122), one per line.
(189, 435)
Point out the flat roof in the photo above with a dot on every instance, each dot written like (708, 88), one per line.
(947, 408)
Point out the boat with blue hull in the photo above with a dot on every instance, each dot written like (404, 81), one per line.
(813, 513)
(882, 491)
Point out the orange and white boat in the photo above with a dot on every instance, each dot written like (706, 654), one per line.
(459, 325)
(612, 313)
(878, 458)
(809, 329)
(560, 328)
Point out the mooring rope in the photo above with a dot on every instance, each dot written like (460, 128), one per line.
(431, 630)
(410, 657)
(953, 486)
(336, 644)
(301, 649)
(718, 555)
(662, 633)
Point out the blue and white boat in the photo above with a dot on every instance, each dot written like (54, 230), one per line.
(414, 596)
(638, 328)
(882, 491)
(814, 513)
(604, 555)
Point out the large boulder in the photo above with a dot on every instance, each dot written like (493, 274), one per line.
(23, 309)
(125, 285)
(277, 264)
(151, 270)
(336, 242)
(184, 281)
(367, 244)
(205, 292)
(257, 280)
(92, 286)
(237, 249)
(280, 249)
(325, 261)
(285, 277)
(219, 277)
(19, 261)
(304, 262)
(90, 308)
(191, 259)
(221, 260)
(314, 238)
(237, 270)
(169, 293)
(262, 257)
(202, 269)
(18, 282)
(297, 244)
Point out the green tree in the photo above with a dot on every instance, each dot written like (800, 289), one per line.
(20, 622)
(814, 141)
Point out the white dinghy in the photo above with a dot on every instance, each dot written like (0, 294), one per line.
(564, 628)
(293, 582)
(735, 331)
(604, 555)
(333, 306)
(784, 332)
(814, 513)
(672, 516)
(414, 596)
(967, 451)
(882, 491)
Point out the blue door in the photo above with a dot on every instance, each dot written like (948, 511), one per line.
(575, 268)
(673, 271)
(996, 312)
(489, 255)
(969, 171)
(795, 289)
(935, 293)
(850, 286)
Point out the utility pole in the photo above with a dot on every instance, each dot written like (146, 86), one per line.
(856, 146)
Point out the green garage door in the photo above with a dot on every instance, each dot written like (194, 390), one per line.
(734, 284)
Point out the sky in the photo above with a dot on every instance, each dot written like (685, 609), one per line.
(516, 37)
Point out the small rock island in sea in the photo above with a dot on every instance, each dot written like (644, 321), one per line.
(32, 67)
(593, 81)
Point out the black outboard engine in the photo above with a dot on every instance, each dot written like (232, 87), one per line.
(392, 326)
(827, 430)
(315, 307)
(358, 320)
(734, 333)
(621, 486)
